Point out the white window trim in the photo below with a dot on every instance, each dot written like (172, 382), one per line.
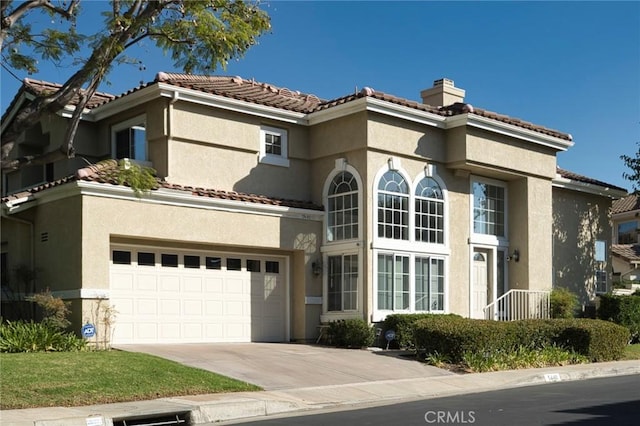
(327, 315)
(139, 119)
(411, 244)
(379, 315)
(345, 167)
(274, 160)
(486, 238)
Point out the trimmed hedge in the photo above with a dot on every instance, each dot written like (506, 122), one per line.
(351, 333)
(623, 310)
(403, 325)
(597, 340)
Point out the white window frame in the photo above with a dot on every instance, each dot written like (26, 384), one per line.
(281, 160)
(601, 261)
(356, 298)
(411, 247)
(330, 238)
(489, 239)
(381, 314)
(132, 122)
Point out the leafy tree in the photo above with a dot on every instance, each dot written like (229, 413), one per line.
(200, 36)
(634, 164)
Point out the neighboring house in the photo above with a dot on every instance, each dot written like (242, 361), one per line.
(277, 211)
(582, 242)
(625, 215)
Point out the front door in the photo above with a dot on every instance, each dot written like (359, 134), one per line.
(481, 291)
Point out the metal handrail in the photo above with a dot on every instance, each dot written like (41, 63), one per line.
(520, 304)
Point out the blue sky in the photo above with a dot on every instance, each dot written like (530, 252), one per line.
(570, 66)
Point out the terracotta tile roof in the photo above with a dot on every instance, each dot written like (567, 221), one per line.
(278, 97)
(579, 178)
(103, 173)
(626, 204)
(628, 252)
(245, 90)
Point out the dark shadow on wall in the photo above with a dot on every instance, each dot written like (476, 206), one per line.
(576, 227)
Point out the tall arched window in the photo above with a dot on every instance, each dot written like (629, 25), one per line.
(342, 200)
(429, 205)
(393, 206)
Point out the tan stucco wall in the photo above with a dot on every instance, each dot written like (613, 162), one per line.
(477, 150)
(579, 219)
(530, 226)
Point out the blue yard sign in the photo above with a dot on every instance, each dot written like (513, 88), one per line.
(88, 330)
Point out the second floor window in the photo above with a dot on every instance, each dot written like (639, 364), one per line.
(488, 209)
(429, 204)
(130, 140)
(342, 211)
(274, 146)
(393, 206)
(628, 233)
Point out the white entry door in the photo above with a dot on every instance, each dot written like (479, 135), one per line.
(170, 296)
(480, 285)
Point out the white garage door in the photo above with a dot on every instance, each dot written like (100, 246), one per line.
(172, 296)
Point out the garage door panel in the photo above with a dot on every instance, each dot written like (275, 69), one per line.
(192, 308)
(146, 282)
(170, 307)
(158, 303)
(192, 285)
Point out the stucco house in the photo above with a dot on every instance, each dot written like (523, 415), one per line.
(625, 216)
(277, 211)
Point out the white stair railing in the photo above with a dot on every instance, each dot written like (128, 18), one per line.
(518, 305)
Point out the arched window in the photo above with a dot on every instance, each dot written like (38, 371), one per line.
(342, 200)
(429, 205)
(393, 206)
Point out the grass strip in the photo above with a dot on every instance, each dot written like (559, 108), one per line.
(67, 379)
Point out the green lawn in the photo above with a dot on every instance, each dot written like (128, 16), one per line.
(632, 351)
(83, 378)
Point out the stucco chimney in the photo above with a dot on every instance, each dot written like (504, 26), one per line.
(442, 93)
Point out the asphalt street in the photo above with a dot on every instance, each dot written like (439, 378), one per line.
(605, 401)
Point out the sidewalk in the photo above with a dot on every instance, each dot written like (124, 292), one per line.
(221, 407)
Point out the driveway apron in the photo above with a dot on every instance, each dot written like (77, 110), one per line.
(276, 366)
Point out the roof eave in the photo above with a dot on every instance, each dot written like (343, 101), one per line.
(589, 188)
(489, 124)
(371, 104)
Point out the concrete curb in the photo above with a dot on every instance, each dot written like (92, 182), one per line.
(225, 407)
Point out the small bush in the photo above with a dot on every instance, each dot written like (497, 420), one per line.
(55, 310)
(564, 303)
(623, 310)
(351, 333)
(21, 336)
(402, 324)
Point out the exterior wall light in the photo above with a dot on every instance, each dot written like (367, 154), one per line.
(316, 268)
(515, 256)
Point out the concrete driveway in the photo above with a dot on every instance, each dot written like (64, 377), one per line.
(276, 366)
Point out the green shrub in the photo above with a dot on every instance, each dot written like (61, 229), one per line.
(351, 333)
(402, 325)
(564, 303)
(456, 338)
(623, 310)
(21, 336)
(520, 357)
